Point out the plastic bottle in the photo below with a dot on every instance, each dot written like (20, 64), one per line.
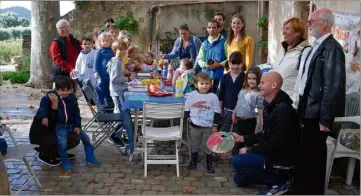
(179, 88)
(170, 72)
(161, 61)
(155, 65)
(165, 70)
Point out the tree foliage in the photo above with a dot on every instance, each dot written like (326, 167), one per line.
(11, 19)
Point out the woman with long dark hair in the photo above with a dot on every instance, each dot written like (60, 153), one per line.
(238, 40)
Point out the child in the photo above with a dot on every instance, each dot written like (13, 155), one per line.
(113, 30)
(202, 107)
(102, 58)
(118, 82)
(147, 65)
(134, 65)
(68, 120)
(84, 65)
(186, 68)
(249, 101)
(229, 87)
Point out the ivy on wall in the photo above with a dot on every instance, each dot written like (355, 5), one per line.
(128, 22)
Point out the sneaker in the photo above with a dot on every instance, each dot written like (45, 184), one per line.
(70, 157)
(52, 162)
(274, 190)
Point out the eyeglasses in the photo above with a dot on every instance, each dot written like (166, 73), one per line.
(309, 22)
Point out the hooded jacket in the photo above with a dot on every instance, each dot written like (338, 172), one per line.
(286, 64)
(278, 142)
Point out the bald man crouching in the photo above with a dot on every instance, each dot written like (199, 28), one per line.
(270, 156)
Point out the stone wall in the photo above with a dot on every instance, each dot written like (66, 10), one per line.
(196, 15)
(90, 15)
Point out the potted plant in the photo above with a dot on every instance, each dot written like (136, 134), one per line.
(263, 45)
(263, 22)
(128, 22)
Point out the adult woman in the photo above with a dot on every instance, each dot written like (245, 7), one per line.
(185, 46)
(293, 48)
(238, 40)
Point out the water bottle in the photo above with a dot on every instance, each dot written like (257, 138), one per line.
(165, 70)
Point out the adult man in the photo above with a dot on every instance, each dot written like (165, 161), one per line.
(270, 155)
(322, 98)
(45, 137)
(64, 50)
(221, 18)
(212, 54)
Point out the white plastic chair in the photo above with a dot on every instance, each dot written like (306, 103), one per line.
(336, 150)
(155, 111)
(18, 153)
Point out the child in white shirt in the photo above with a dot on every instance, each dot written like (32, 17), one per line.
(84, 65)
(202, 106)
(147, 66)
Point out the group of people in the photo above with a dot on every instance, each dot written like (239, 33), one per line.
(295, 103)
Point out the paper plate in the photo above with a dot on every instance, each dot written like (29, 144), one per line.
(220, 142)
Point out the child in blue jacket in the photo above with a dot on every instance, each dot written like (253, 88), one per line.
(68, 120)
(100, 69)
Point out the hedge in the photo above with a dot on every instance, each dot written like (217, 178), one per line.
(13, 32)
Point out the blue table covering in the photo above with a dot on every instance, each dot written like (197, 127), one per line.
(135, 100)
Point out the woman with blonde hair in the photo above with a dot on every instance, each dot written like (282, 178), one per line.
(237, 40)
(294, 49)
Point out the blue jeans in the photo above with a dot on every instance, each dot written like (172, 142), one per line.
(249, 169)
(216, 74)
(127, 120)
(62, 132)
(103, 92)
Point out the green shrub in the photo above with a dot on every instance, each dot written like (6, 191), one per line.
(9, 49)
(4, 34)
(19, 77)
(14, 32)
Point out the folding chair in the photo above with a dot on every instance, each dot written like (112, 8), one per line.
(109, 123)
(157, 111)
(18, 153)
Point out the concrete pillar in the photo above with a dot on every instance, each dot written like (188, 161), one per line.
(279, 12)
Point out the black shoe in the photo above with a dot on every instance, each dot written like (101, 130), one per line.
(70, 157)
(50, 162)
(193, 162)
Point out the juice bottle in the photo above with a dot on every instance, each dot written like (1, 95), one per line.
(179, 88)
(161, 63)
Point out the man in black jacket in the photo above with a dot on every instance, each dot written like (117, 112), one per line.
(322, 98)
(270, 156)
(45, 137)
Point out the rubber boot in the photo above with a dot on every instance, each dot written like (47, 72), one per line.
(193, 162)
(65, 162)
(210, 168)
(90, 158)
